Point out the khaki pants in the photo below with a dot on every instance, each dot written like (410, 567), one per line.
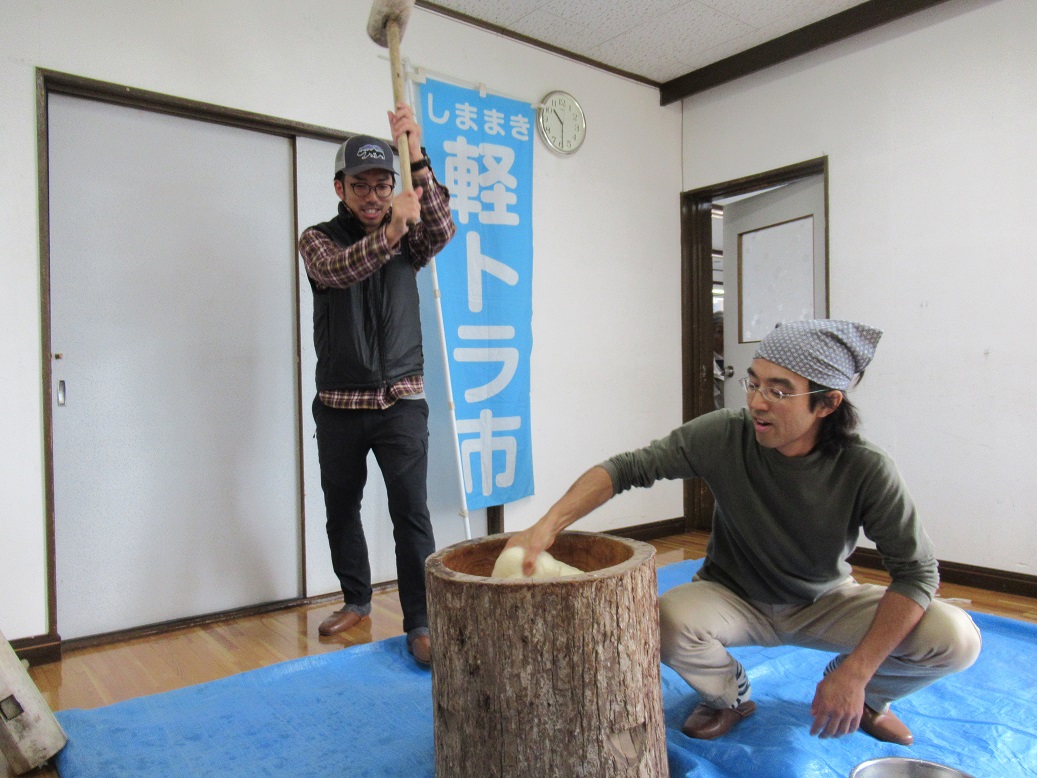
(699, 620)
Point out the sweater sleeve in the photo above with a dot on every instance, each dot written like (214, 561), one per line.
(679, 455)
(889, 518)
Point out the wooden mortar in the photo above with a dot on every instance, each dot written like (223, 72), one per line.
(549, 676)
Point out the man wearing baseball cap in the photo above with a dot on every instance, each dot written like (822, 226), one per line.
(362, 267)
(794, 487)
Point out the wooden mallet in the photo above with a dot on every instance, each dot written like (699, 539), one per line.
(385, 26)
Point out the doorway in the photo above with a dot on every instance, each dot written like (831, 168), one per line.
(709, 277)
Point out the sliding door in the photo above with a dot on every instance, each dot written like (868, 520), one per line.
(174, 367)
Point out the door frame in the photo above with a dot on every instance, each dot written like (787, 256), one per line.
(697, 303)
(47, 647)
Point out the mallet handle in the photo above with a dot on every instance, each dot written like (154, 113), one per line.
(392, 33)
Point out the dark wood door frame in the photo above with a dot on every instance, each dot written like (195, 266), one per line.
(697, 303)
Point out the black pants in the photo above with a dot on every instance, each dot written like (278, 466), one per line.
(398, 436)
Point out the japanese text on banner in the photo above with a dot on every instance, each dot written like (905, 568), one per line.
(481, 150)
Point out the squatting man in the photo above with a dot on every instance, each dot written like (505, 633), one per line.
(794, 486)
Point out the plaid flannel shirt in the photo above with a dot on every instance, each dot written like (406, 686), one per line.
(333, 266)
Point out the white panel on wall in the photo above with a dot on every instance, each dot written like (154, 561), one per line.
(175, 445)
(777, 276)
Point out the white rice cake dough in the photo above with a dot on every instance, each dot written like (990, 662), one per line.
(509, 565)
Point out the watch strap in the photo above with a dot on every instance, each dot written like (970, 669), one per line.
(422, 164)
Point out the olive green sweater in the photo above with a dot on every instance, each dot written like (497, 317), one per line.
(784, 526)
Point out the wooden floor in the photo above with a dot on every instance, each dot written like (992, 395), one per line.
(102, 675)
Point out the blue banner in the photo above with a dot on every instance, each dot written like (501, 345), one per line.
(481, 147)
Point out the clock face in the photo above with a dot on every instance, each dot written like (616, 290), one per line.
(561, 122)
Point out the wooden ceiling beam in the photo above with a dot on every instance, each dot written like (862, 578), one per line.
(837, 27)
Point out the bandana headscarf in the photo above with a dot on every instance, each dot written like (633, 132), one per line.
(828, 352)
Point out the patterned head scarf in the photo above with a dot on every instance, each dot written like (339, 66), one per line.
(828, 352)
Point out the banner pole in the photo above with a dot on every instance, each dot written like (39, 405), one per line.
(450, 401)
(463, 513)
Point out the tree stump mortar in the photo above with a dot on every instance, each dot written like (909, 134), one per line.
(550, 676)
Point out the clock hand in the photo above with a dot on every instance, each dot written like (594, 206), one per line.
(561, 124)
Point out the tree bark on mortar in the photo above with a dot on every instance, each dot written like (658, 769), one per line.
(547, 677)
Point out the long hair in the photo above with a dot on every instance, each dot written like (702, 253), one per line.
(839, 428)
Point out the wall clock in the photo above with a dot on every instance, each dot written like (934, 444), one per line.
(561, 122)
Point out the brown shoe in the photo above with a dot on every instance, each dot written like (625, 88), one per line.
(340, 621)
(421, 648)
(706, 723)
(886, 727)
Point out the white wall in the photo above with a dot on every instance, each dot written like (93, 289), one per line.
(930, 128)
(606, 360)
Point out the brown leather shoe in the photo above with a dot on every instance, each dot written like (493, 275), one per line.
(339, 621)
(706, 723)
(421, 649)
(886, 727)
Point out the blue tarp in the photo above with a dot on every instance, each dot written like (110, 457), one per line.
(367, 711)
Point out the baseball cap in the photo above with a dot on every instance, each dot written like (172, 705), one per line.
(363, 152)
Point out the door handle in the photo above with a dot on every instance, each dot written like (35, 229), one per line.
(729, 371)
(61, 392)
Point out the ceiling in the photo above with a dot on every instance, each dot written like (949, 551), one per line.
(670, 43)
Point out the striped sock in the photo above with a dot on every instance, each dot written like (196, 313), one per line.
(836, 661)
(744, 688)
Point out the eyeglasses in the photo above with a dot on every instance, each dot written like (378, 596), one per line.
(770, 394)
(383, 190)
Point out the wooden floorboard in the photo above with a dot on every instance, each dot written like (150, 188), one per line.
(102, 675)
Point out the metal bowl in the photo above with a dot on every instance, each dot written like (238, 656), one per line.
(901, 767)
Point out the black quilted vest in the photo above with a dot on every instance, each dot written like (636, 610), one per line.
(369, 335)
